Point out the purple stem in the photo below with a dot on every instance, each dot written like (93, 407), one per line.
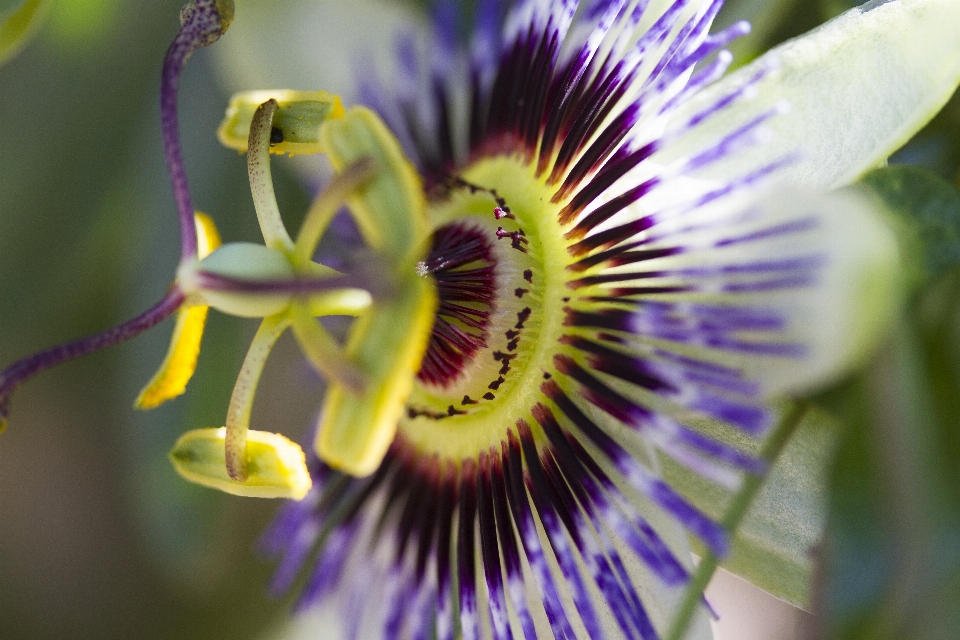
(201, 25)
(19, 372)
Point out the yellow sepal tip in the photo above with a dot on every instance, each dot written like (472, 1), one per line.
(388, 342)
(296, 123)
(276, 467)
(178, 366)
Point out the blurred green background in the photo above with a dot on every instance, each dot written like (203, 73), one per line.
(98, 536)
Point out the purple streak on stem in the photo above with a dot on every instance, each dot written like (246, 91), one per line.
(201, 25)
(19, 372)
(209, 281)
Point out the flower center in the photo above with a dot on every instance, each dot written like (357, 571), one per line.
(461, 261)
(499, 258)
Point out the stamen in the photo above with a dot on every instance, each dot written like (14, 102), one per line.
(261, 180)
(202, 23)
(241, 402)
(277, 466)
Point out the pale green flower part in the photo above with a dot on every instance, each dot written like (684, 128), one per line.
(18, 26)
(859, 87)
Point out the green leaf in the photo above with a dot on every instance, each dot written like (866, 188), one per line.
(18, 27)
(930, 206)
(892, 560)
(772, 546)
(858, 88)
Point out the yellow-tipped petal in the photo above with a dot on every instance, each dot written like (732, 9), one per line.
(388, 342)
(276, 467)
(208, 237)
(296, 122)
(178, 366)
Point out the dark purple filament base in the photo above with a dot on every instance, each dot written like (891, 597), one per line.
(19, 372)
(462, 264)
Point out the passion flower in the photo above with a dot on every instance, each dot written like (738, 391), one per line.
(576, 265)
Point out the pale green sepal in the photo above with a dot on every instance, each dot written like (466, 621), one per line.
(17, 28)
(858, 88)
(276, 467)
(390, 207)
(388, 343)
(297, 120)
(772, 547)
(858, 289)
(240, 261)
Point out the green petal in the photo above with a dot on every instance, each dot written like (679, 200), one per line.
(772, 547)
(858, 87)
(17, 28)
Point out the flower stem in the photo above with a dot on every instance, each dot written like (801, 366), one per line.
(201, 25)
(738, 508)
(19, 372)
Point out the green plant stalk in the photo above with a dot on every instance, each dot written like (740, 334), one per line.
(737, 510)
